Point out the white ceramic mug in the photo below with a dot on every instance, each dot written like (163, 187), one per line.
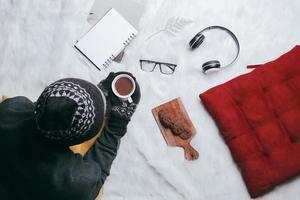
(122, 97)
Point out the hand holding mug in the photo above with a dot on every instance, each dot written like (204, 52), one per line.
(123, 93)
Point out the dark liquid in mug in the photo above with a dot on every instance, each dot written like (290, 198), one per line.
(124, 86)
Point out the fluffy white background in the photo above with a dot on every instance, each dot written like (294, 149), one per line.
(36, 43)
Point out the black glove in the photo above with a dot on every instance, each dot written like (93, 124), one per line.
(105, 85)
(118, 108)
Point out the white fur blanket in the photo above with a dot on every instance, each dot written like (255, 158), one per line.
(36, 45)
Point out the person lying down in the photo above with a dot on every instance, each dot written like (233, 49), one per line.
(37, 140)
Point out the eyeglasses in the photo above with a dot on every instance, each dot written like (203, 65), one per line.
(165, 68)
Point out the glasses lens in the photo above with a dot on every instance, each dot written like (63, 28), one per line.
(147, 66)
(167, 69)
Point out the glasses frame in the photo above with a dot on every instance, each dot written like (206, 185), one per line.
(160, 64)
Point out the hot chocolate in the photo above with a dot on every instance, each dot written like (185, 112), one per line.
(124, 86)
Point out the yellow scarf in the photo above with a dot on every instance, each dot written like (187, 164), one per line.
(2, 98)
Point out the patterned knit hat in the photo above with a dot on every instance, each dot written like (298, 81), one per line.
(70, 111)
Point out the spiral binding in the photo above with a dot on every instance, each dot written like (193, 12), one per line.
(112, 57)
(108, 61)
(131, 37)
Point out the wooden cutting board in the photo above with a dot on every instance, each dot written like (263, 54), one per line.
(177, 109)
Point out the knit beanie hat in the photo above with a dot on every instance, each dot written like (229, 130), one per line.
(70, 111)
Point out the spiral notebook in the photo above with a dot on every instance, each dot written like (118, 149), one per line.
(104, 41)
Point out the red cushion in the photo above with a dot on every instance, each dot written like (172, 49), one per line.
(258, 114)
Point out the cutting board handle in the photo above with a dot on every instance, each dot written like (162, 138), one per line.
(189, 152)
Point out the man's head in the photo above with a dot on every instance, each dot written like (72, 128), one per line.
(70, 111)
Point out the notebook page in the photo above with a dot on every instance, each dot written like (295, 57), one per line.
(106, 39)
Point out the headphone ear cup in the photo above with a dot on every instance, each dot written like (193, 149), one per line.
(196, 41)
(212, 64)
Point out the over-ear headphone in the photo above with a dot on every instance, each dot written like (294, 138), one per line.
(198, 40)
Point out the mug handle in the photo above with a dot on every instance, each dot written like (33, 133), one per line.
(129, 100)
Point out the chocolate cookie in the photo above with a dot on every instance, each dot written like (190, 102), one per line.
(175, 124)
(181, 130)
(165, 117)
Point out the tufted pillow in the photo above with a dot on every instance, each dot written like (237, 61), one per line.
(258, 115)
